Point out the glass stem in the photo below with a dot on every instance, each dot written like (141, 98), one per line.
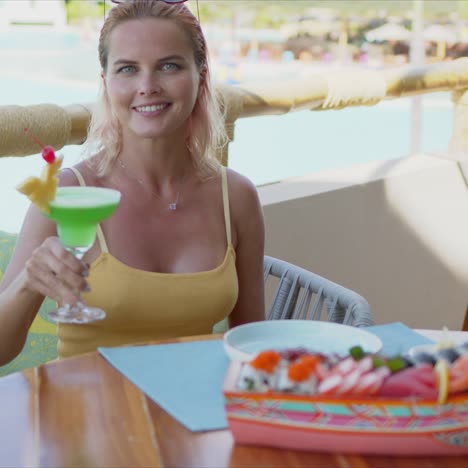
(78, 252)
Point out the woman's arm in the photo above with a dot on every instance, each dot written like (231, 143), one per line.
(247, 221)
(39, 267)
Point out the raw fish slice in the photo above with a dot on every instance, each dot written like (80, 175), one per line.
(414, 381)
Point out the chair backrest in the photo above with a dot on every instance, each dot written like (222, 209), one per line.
(301, 294)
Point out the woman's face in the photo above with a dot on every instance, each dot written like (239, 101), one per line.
(151, 79)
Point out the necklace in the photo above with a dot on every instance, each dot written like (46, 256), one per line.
(172, 206)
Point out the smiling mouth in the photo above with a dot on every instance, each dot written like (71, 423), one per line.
(152, 108)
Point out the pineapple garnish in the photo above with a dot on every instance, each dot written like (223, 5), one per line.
(41, 190)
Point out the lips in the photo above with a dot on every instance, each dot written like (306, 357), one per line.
(148, 108)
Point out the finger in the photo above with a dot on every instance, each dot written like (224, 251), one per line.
(54, 247)
(48, 284)
(42, 278)
(57, 289)
(70, 272)
(71, 278)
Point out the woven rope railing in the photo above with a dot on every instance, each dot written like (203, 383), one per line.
(61, 126)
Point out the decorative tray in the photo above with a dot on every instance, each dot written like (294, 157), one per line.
(345, 424)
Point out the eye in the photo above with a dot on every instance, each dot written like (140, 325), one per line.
(126, 69)
(170, 66)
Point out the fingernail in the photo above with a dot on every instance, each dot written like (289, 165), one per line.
(87, 288)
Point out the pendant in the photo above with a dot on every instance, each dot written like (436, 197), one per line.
(173, 206)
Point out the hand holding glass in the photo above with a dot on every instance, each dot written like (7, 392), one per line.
(77, 211)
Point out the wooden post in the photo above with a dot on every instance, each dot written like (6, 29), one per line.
(465, 321)
(417, 58)
(232, 103)
(459, 140)
(230, 134)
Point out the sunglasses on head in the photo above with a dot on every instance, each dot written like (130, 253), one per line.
(170, 2)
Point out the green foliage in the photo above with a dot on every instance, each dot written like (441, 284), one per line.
(370, 8)
(7, 244)
(260, 13)
(39, 347)
(78, 10)
(269, 14)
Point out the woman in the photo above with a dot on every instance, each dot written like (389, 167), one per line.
(185, 247)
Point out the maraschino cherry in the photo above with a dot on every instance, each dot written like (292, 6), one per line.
(48, 153)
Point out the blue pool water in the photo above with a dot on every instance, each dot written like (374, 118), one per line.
(265, 149)
(39, 39)
(272, 148)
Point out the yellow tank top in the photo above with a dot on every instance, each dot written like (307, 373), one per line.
(144, 306)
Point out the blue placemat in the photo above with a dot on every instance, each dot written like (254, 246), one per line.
(186, 379)
(397, 338)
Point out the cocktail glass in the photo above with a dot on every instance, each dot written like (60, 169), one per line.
(77, 211)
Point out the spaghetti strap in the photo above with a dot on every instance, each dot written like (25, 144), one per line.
(100, 234)
(101, 239)
(227, 215)
(78, 176)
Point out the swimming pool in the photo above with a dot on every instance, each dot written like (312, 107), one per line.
(265, 149)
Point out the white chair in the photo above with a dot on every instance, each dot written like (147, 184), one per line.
(301, 294)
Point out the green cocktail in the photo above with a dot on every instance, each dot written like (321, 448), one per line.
(77, 212)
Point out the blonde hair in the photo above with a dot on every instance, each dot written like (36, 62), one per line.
(207, 134)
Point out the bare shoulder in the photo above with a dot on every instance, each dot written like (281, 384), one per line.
(241, 189)
(246, 210)
(68, 178)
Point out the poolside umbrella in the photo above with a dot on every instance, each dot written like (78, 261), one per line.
(441, 35)
(388, 32)
(311, 27)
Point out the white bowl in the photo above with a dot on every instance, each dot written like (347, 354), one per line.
(430, 348)
(243, 342)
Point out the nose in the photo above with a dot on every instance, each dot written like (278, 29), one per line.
(148, 86)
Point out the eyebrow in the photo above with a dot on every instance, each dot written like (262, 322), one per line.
(163, 59)
(172, 57)
(121, 61)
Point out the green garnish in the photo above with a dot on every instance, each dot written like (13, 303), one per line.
(250, 384)
(357, 352)
(378, 362)
(396, 364)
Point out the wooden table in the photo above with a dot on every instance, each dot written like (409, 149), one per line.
(83, 412)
